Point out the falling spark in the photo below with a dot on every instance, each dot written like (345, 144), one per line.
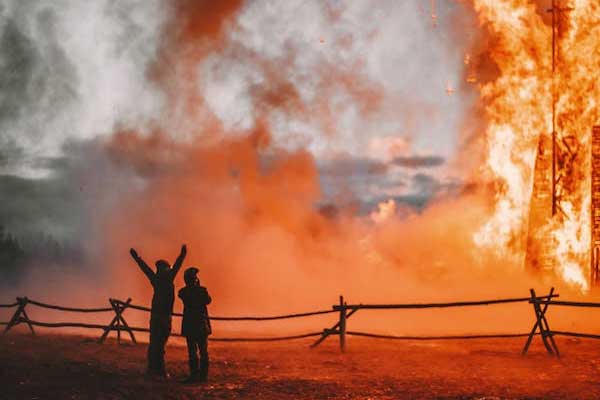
(467, 59)
(449, 89)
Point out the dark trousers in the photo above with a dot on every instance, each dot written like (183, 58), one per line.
(195, 345)
(159, 334)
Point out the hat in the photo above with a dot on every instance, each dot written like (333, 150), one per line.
(189, 276)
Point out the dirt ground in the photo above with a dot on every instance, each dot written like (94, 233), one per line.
(52, 366)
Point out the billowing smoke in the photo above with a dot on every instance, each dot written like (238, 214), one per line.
(71, 71)
(283, 150)
(301, 149)
(70, 74)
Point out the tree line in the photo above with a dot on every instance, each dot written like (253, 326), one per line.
(18, 254)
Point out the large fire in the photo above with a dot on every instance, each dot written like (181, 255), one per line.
(518, 110)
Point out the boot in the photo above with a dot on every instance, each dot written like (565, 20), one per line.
(194, 376)
(157, 375)
(161, 372)
(203, 373)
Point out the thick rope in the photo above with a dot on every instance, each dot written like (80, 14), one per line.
(252, 318)
(445, 337)
(69, 309)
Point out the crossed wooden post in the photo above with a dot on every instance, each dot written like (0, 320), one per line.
(541, 323)
(340, 327)
(118, 323)
(19, 316)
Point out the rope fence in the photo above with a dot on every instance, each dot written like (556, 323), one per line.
(265, 318)
(580, 304)
(68, 309)
(570, 303)
(119, 324)
(344, 311)
(432, 305)
(443, 337)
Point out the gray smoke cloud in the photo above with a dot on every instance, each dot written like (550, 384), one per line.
(418, 161)
(379, 68)
(71, 73)
(348, 78)
(366, 79)
(70, 70)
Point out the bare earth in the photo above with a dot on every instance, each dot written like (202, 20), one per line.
(52, 366)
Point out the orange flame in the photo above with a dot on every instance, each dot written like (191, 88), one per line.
(518, 110)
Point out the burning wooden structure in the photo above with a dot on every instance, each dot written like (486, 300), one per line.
(595, 209)
(538, 257)
(540, 241)
(557, 179)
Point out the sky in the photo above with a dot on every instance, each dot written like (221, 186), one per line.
(373, 90)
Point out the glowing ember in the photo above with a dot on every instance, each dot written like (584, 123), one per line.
(385, 210)
(449, 89)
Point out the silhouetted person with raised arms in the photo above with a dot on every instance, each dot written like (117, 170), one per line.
(196, 324)
(162, 308)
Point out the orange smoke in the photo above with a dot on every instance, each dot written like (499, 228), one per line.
(195, 29)
(250, 210)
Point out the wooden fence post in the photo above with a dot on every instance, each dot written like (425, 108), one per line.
(19, 316)
(116, 306)
(536, 324)
(547, 329)
(542, 323)
(118, 323)
(334, 329)
(342, 325)
(538, 316)
(123, 322)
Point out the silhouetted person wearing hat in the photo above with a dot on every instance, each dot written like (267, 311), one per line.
(196, 324)
(162, 308)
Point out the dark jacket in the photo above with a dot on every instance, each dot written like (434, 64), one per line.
(164, 292)
(196, 321)
(163, 296)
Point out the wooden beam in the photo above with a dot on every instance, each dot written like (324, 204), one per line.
(535, 325)
(541, 324)
(342, 325)
(118, 308)
(123, 306)
(19, 316)
(331, 331)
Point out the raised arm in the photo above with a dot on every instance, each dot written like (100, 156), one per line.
(179, 261)
(142, 264)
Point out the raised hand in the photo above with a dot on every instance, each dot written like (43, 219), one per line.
(179, 261)
(142, 264)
